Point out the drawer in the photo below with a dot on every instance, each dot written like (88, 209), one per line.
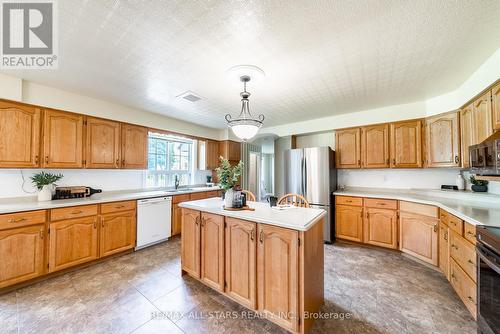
(349, 200)
(196, 196)
(381, 203)
(419, 209)
(73, 212)
(454, 223)
(464, 286)
(211, 194)
(470, 232)
(18, 219)
(180, 198)
(464, 253)
(117, 206)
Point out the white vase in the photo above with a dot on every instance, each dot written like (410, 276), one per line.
(228, 198)
(45, 194)
(460, 181)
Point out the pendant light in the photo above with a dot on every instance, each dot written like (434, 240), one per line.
(245, 126)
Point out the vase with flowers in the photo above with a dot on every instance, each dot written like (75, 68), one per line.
(228, 179)
(45, 183)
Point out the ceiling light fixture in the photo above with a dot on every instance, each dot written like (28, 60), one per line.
(245, 126)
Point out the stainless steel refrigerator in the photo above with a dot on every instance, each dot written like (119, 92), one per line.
(311, 173)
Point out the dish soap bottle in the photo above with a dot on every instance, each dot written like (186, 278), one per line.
(460, 181)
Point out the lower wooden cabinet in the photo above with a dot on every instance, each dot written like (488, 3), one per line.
(117, 232)
(190, 246)
(277, 275)
(381, 227)
(241, 270)
(464, 286)
(349, 222)
(212, 250)
(72, 241)
(444, 249)
(21, 254)
(176, 219)
(464, 254)
(418, 236)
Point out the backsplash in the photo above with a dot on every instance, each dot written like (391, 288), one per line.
(429, 178)
(105, 179)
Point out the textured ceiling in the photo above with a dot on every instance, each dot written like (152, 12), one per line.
(321, 58)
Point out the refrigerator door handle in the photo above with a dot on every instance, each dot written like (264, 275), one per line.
(304, 176)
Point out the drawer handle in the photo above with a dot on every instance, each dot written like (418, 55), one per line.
(76, 212)
(452, 276)
(348, 201)
(14, 220)
(470, 261)
(119, 206)
(471, 234)
(381, 204)
(471, 299)
(454, 246)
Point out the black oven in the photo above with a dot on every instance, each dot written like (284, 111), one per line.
(488, 280)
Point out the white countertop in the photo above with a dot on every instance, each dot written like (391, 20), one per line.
(477, 209)
(18, 204)
(300, 219)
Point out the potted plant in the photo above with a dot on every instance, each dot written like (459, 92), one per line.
(479, 186)
(228, 178)
(45, 183)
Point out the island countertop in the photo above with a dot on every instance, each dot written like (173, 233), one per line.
(299, 219)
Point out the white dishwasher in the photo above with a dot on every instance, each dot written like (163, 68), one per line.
(154, 221)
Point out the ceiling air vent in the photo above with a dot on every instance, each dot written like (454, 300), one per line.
(189, 96)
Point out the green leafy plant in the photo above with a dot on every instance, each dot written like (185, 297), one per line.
(476, 182)
(42, 179)
(228, 175)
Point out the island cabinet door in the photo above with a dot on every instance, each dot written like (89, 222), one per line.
(190, 242)
(212, 250)
(277, 275)
(241, 261)
(72, 241)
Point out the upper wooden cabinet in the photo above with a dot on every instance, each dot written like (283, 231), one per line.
(483, 117)
(134, 146)
(442, 144)
(102, 146)
(62, 139)
(230, 150)
(406, 144)
(348, 148)
(208, 154)
(375, 146)
(467, 131)
(19, 135)
(495, 95)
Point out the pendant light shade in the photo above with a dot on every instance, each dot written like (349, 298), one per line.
(245, 126)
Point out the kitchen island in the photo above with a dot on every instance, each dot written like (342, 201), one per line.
(267, 260)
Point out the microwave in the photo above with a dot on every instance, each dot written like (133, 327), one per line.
(485, 157)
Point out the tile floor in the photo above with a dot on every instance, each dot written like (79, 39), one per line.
(382, 291)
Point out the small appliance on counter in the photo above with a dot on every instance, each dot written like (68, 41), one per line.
(75, 192)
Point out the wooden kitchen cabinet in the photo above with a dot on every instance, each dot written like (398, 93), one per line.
(467, 133)
(230, 150)
(102, 145)
(348, 148)
(495, 104)
(418, 231)
(72, 242)
(176, 219)
(442, 141)
(406, 144)
(349, 222)
(277, 275)
(464, 286)
(117, 232)
(212, 250)
(241, 271)
(381, 227)
(464, 254)
(483, 117)
(19, 135)
(444, 249)
(62, 139)
(375, 146)
(21, 254)
(134, 146)
(190, 246)
(208, 154)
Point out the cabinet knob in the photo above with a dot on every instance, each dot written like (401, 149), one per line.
(435, 227)
(457, 159)
(252, 234)
(95, 224)
(36, 159)
(102, 222)
(46, 159)
(261, 236)
(41, 234)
